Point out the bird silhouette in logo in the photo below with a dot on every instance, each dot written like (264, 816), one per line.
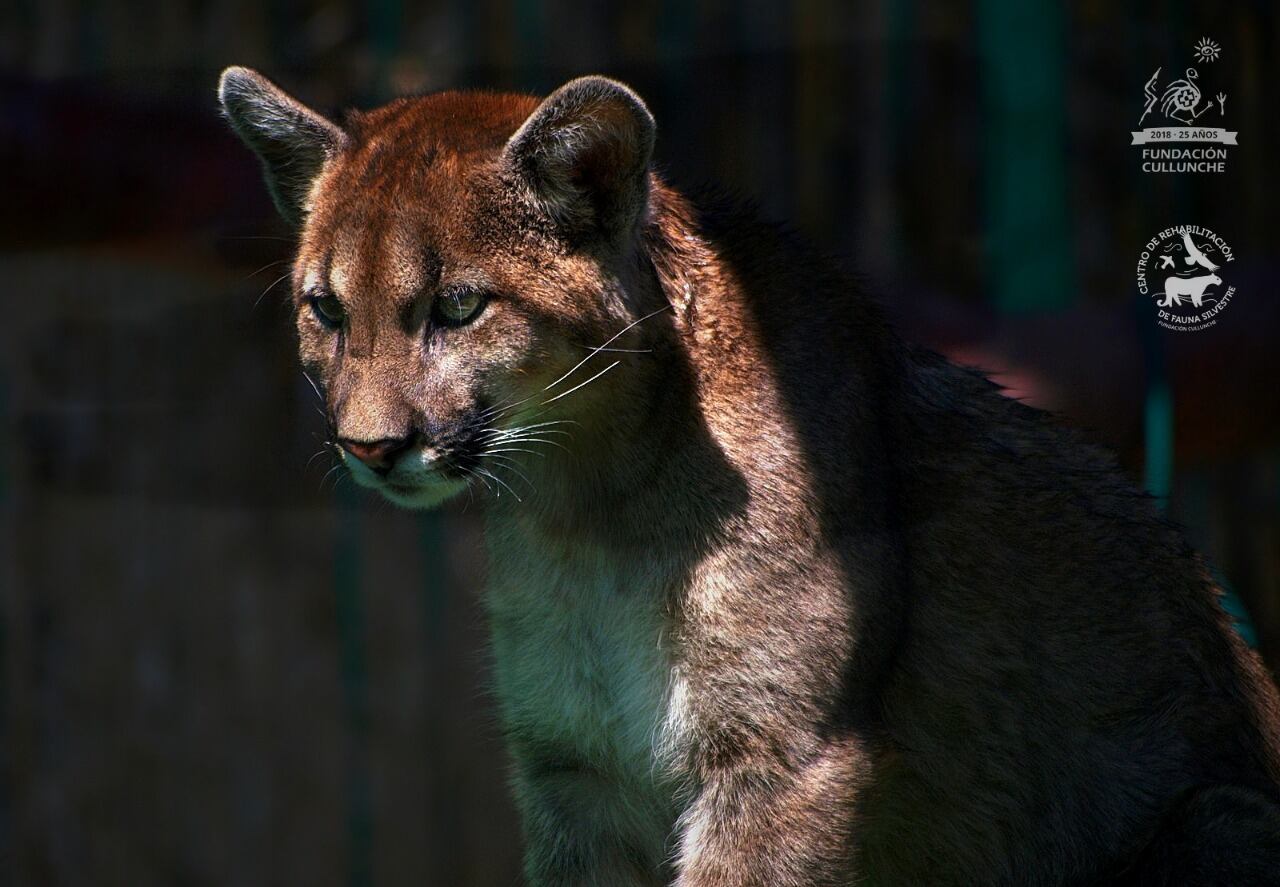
(1194, 256)
(1166, 262)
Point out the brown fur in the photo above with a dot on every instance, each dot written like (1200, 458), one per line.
(796, 604)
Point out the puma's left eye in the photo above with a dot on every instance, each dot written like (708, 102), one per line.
(457, 307)
(329, 310)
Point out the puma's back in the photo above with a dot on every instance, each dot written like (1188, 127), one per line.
(1051, 679)
(776, 599)
(1072, 642)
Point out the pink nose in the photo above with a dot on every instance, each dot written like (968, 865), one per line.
(379, 455)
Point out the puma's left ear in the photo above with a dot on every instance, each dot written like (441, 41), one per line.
(290, 139)
(584, 153)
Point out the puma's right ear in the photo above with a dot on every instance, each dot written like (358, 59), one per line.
(290, 139)
(584, 154)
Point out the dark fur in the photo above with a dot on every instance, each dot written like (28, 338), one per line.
(914, 632)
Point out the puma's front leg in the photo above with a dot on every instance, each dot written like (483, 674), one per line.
(761, 821)
(581, 830)
(776, 675)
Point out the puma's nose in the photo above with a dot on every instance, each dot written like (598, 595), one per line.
(379, 455)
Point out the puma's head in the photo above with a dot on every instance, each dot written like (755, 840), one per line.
(460, 256)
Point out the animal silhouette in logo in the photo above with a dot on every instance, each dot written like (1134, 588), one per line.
(1177, 287)
(1196, 256)
(1181, 99)
(1182, 96)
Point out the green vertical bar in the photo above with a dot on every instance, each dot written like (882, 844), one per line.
(435, 591)
(900, 17)
(674, 34)
(1235, 608)
(1028, 220)
(675, 31)
(1158, 442)
(4, 439)
(8, 800)
(531, 42)
(350, 613)
(386, 19)
(440, 802)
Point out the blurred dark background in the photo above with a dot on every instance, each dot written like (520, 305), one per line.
(220, 664)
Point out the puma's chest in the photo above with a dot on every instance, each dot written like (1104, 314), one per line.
(580, 663)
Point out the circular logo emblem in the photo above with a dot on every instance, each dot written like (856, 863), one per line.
(1184, 270)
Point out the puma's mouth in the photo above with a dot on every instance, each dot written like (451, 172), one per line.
(422, 473)
(420, 478)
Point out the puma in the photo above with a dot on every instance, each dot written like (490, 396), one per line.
(775, 598)
(1177, 287)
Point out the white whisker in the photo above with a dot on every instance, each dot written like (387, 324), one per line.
(313, 385)
(521, 428)
(502, 482)
(607, 342)
(580, 384)
(312, 460)
(249, 277)
(513, 466)
(473, 473)
(620, 350)
(270, 287)
(328, 473)
(513, 450)
(532, 441)
(545, 434)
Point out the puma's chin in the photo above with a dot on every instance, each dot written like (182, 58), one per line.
(415, 483)
(430, 494)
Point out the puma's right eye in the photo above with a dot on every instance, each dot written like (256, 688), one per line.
(457, 307)
(329, 310)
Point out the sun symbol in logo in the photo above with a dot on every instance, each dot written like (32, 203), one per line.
(1207, 50)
